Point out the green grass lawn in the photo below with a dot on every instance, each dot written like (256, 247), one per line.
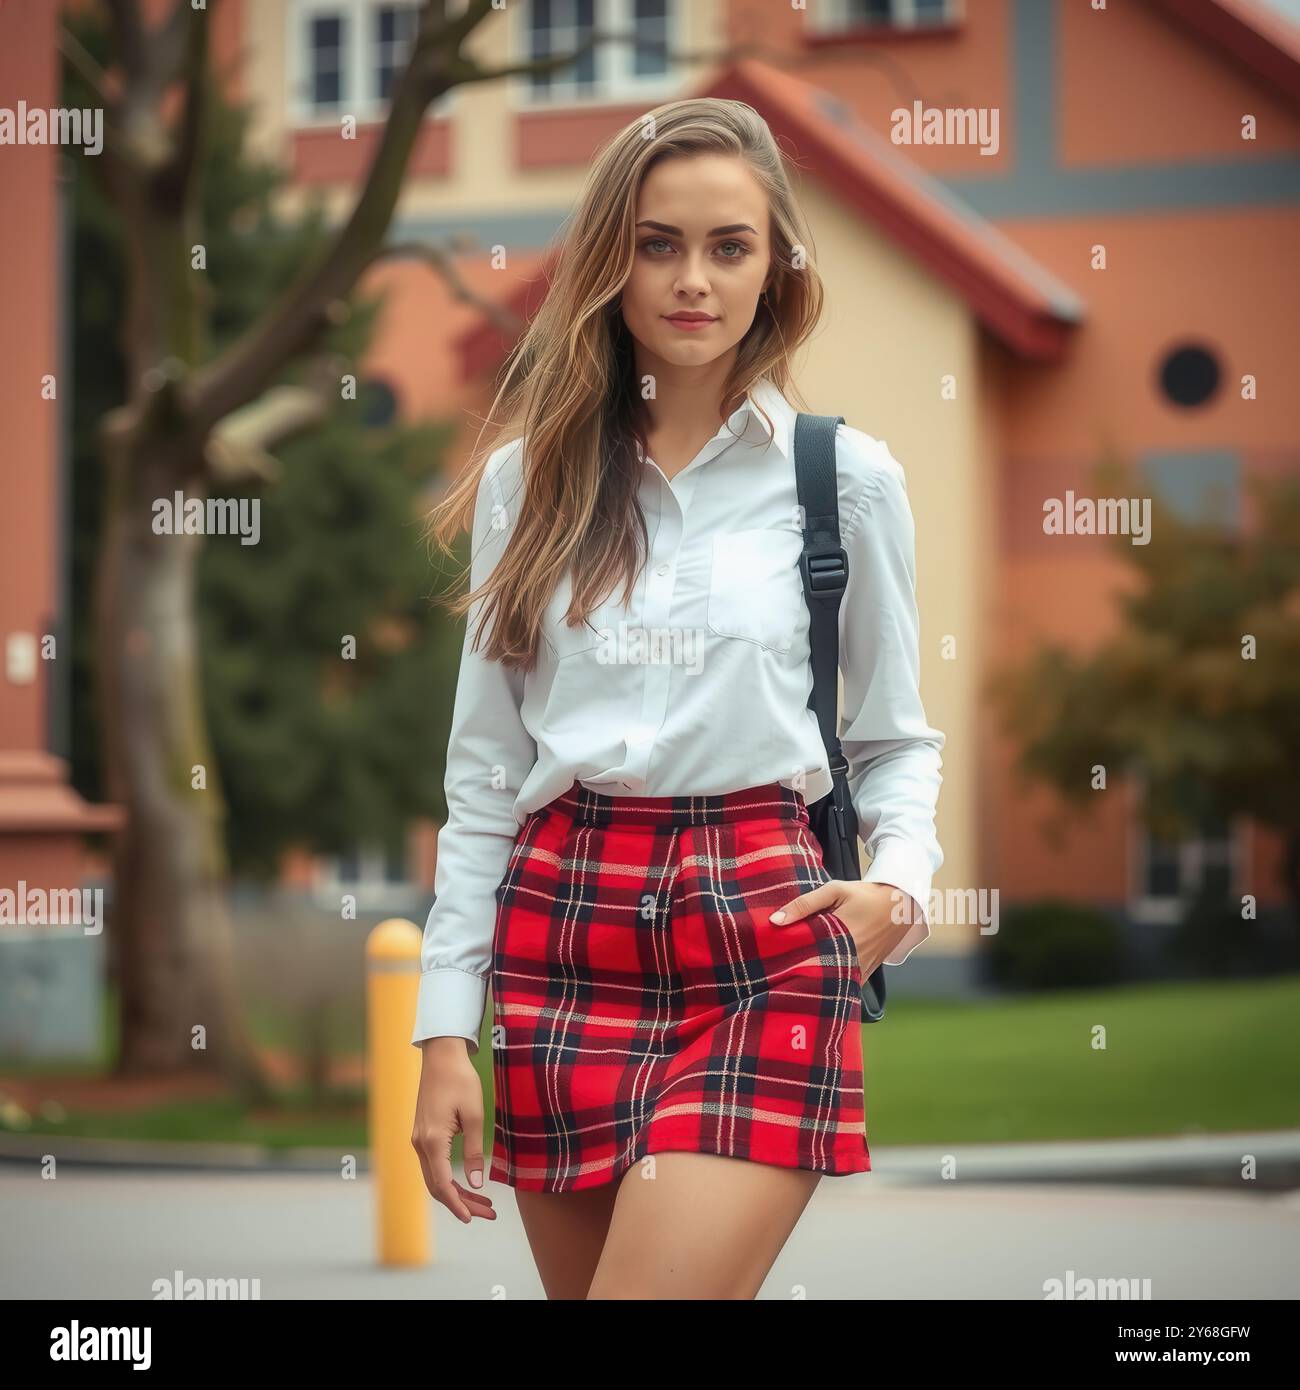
(343, 1125)
(1174, 1058)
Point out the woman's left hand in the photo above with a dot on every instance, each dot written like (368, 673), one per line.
(878, 915)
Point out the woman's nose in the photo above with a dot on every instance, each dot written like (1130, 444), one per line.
(692, 276)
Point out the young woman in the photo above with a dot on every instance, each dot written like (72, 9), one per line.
(627, 859)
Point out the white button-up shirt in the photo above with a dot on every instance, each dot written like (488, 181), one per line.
(699, 686)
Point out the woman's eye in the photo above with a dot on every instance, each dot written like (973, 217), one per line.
(739, 245)
(653, 241)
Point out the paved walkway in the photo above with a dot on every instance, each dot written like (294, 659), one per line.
(98, 1232)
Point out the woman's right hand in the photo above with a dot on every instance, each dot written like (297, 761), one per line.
(450, 1100)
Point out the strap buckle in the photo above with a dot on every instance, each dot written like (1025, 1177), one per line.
(839, 764)
(825, 570)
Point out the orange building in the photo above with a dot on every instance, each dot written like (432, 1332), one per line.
(1048, 230)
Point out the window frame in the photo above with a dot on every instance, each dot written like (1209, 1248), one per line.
(1194, 853)
(616, 87)
(373, 890)
(371, 66)
(833, 17)
(1221, 495)
(360, 65)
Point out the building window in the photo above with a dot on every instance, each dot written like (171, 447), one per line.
(1198, 486)
(553, 27)
(395, 27)
(345, 55)
(832, 16)
(375, 875)
(608, 71)
(1189, 375)
(326, 51)
(650, 20)
(379, 407)
(1172, 874)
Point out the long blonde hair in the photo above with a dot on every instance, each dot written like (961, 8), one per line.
(569, 383)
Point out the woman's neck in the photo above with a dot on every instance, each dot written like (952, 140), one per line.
(688, 400)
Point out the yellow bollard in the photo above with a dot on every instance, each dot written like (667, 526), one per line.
(393, 1066)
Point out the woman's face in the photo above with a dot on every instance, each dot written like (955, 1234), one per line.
(702, 248)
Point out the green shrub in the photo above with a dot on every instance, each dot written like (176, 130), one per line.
(1213, 939)
(1054, 944)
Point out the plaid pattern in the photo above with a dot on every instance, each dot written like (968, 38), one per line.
(642, 1001)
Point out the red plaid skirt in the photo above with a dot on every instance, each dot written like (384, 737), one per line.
(642, 1002)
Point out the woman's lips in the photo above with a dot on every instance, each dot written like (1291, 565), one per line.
(691, 325)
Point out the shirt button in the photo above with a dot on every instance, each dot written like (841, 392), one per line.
(663, 569)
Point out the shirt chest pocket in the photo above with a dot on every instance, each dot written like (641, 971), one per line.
(755, 588)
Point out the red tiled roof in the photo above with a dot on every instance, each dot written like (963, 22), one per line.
(1014, 297)
(1260, 39)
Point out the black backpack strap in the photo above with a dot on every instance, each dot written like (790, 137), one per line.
(824, 565)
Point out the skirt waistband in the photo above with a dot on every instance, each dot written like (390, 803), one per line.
(771, 801)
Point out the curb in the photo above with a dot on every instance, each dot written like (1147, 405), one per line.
(1193, 1158)
(1200, 1159)
(178, 1155)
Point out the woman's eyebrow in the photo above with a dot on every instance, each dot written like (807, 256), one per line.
(717, 231)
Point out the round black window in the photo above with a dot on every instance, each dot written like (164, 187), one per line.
(378, 404)
(1189, 375)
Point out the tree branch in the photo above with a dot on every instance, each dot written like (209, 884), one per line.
(464, 70)
(297, 321)
(85, 66)
(169, 42)
(239, 447)
(82, 62)
(128, 37)
(457, 30)
(439, 259)
(303, 313)
(176, 176)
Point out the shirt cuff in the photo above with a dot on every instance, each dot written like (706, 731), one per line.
(903, 865)
(450, 1004)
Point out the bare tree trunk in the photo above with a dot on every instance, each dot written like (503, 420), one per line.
(173, 939)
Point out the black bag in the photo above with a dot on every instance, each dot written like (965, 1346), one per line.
(824, 565)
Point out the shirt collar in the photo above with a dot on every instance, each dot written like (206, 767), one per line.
(747, 423)
(764, 394)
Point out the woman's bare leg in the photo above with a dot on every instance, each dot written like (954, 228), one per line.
(698, 1225)
(566, 1232)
